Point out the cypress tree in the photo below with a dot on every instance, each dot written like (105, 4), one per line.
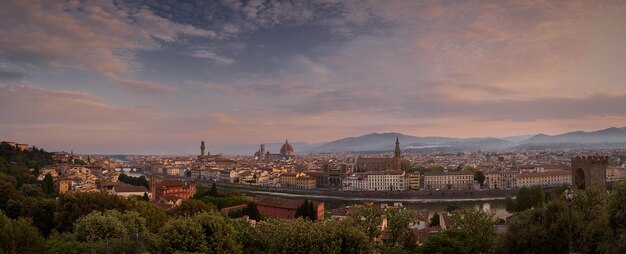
(48, 185)
(213, 191)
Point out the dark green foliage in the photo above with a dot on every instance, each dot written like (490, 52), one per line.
(252, 212)
(478, 226)
(19, 163)
(137, 181)
(398, 225)
(75, 205)
(449, 242)
(542, 230)
(80, 162)
(250, 239)
(306, 210)
(190, 207)
(154, 215)
(368, 220)
(305, 236)
(479, 176)
(18, 236)
(48, 185)
(526, 198)
(213, 191)
(219, 200)
(204, 232)
(434, 221)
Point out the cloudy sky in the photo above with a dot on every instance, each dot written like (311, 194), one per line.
(158, 76)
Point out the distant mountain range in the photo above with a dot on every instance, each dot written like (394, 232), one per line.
(609, 138)
(380, 142)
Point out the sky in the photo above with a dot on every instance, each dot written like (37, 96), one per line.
(159, 76)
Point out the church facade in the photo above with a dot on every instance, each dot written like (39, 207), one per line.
(394, 163)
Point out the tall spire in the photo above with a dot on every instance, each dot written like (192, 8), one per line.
(397, 151)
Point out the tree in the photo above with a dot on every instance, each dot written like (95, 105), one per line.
(541, 230)
(616, 216)
(398, 223)
(213, 191)
(190, 207)
(449, 242)
(252, 211)
(479, 176)
(96, 226)
(19, 236)
(155, 217)
(479, 227)
(526, 198)
(182, 234)
(305, 236)
(48, 185)
(434, 221)
(368, 219)
(72, 206)
(306, 210)
(251, 240)
(219, 236)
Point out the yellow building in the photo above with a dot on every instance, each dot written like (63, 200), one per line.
(288, 180)
(447, 181)
(615, 173)
(413, 181)
(544, 178)
(64, 186)
(305, 182)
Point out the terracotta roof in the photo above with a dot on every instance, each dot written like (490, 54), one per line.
(129, 188)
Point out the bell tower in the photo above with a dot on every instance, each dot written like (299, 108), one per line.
(202, 148)
(397, 152)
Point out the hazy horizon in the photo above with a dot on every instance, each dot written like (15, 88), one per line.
(156, 77)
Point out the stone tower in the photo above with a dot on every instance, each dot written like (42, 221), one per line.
(202, 148)
(589, 171)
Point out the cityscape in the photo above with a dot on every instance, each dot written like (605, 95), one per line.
(269, 126)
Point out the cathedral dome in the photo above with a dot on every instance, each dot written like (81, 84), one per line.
(286, 149)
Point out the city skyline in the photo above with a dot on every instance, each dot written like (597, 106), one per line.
(155, 77)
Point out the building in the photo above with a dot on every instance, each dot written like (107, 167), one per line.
(305, 182)
(448, 181)
(501, 180)
(65, 186)
(413, 181)
(286, 153)
(297, 181)
(355, 182)
(547, 178)
(127, 190)
(394, 163)
(385, 181)
(284, 208)
(180, 189)
(329, 178)
(615, 174)
(214, 159)
(228, 176)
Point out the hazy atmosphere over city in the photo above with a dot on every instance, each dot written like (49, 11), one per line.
(159, 76)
